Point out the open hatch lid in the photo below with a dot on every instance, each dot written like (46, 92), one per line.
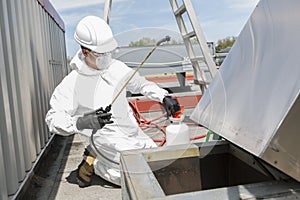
(254, 99)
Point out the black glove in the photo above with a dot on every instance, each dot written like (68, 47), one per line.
(171, 105)
(93, 121)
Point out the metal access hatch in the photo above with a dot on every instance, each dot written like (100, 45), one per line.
(254, 99)
(212, 170)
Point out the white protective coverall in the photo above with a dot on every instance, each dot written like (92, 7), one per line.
(86, 89)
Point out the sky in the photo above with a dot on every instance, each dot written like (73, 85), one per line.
(131, 20)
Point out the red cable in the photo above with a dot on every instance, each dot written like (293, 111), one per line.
(198, 137)
(145, 123)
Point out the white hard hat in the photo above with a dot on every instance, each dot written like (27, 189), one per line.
(94, 33)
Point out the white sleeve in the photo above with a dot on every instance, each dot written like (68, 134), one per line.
(59, 118)
(61, 123)
(149, 89)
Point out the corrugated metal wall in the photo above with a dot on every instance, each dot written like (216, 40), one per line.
(32, 62)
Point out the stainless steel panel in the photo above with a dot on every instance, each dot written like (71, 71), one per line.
(42, 72)
(283, 151)
(16, 87)
(24, 66)
(26, 83)
(35, 76)
(39, 73)
(28, 75)
(3, 187)
(7, 96)
(258, 84)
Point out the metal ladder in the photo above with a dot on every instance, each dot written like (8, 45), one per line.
(202, 75)
(106, 11)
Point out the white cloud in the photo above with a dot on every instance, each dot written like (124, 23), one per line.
(73, 4)
(72, 19)
(242, 4)
(77, 4)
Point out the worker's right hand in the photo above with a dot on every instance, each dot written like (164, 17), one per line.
(93, 121)
(171, 105)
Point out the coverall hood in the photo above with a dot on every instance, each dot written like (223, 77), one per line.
(78, 64)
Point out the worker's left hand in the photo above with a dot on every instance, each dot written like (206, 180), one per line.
(171, 105)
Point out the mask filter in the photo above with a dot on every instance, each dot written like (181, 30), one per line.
(103, 61)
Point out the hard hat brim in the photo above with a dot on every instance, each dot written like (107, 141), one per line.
(107, 46)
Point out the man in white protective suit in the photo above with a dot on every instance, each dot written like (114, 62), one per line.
(93, 83)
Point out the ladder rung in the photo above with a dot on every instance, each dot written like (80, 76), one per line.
(180, 10)
(205, 58)
(197, 58)
(189, 35)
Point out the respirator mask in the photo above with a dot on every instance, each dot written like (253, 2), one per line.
(103, 60)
